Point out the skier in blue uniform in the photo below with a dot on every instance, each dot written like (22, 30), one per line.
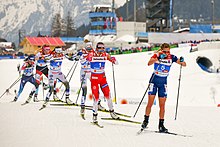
(162, 61)
(27, 76)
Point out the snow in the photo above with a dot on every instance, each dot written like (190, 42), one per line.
(197, 117)
(126, 38)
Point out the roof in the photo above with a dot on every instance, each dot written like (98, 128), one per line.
(102, 6)
(5, 44)
(182, 30)
(39, 41)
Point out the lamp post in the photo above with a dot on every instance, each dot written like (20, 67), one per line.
(213, 3)
(135, 10)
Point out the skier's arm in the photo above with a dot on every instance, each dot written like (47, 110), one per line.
(153, 59)
(23, 68)
(73, 57)
(181, 61)
(112, 59)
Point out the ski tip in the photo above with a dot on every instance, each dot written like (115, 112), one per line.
(24, 104)
(140, 131)
(42, 108)
(83, 117)
(97, 124)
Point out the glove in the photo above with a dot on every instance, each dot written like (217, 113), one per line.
(181, 59)
(77, 58)
(79, 53)
(89, 57)
(162, 56)
(113, 60)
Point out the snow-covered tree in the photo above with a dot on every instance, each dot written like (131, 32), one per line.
(56, 25)
(70, 26)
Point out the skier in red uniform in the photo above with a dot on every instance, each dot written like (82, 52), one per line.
(97, 61)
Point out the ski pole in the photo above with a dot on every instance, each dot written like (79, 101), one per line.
(80, 87)
(68, 73)
(114, 83)
(178, 92)
(43, 86)
(70, 78)
(14, 83)
(7, 90)
(18, 80)
(144, 95)
(146, 89)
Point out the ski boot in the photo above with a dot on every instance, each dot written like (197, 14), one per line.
(113, 114)
(145, 122)
(35, 98)
(161, 127)
(55, 98)
(82, 111)
(15, 99)
(100, 107)
(29, 99)
(94, 118)
(46, 102)
(68, 101)
(45, 86)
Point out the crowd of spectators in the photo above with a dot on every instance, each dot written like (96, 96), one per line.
(153, 47)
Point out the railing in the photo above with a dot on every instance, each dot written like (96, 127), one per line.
(102, 23)
(100, 32)
(101, 14)
(141, 34)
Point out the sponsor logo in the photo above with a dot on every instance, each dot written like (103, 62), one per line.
(98, 58)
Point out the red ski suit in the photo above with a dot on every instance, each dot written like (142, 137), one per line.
(98, 78)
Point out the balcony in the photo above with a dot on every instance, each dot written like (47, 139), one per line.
(102, 23)
(101, 32)
(101, 14)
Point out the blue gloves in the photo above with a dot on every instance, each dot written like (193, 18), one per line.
(162, 56)
(181, 59)
(79, 53)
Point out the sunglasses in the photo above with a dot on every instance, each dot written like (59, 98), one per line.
(89, 48)
(100, 50)
(166, 51)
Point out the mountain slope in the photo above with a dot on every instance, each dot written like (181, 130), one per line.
(36, 15)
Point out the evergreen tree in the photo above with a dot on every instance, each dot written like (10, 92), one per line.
(63, 31)
(70, 26)
(56, 26)
(83, 30)
(39, 34)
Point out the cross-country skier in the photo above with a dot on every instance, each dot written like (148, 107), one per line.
(97, 63)
(41, 68)
(85, 73)
(27, 76)
(56, 73)
(162, 61)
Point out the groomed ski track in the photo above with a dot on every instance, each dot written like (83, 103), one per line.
(198, 114)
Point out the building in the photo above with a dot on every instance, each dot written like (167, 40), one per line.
(31, 45)
(72, 41)
(103, 20)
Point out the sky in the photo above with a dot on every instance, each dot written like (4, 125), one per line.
(197, 115)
